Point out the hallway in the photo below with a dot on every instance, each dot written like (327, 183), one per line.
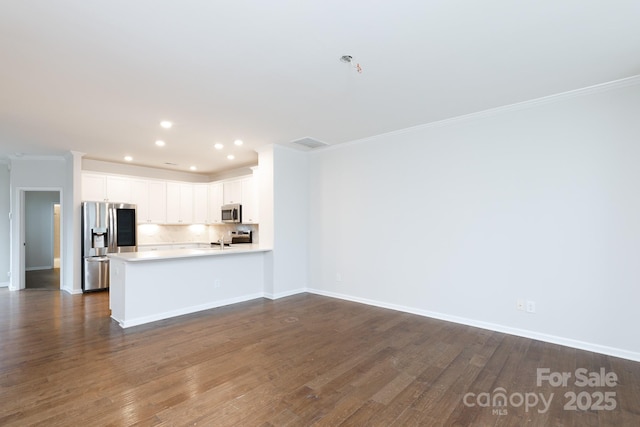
(43, 279)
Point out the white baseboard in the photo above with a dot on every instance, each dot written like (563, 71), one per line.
(4, 285)
(284, 294)
(567, 342)
(186, 310)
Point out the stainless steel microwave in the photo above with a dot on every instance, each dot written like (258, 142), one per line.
(232, 213)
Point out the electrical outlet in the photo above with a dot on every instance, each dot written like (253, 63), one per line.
(338, 277)
(520, 304)
(216, 283)
(531, 306)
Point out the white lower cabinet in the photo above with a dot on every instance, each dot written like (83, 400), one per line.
(149, 248)
(169, 247)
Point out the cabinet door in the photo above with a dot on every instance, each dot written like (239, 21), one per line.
(140, 197)
(186, 203)
(179, 203)
(201, 203)
(118, 189)
(157, 191)
(93, 188)
(232, 192)
(173, 203)
(249, 201)
(215, 203)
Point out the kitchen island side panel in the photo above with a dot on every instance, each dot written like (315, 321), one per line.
(144, 292)
(116, 289)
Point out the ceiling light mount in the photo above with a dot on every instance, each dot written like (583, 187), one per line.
(348, 59)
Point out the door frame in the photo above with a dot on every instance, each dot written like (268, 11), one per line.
(18, 244)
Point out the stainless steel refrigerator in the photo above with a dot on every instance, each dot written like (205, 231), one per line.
(106, 228)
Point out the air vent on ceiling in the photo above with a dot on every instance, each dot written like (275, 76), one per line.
(310, 142)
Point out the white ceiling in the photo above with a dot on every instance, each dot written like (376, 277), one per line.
(98, 76)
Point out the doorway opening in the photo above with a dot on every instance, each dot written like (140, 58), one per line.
(42, 240)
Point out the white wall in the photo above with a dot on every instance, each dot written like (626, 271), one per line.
(147, 172)
(39, 229)
(48, 173)
(459, 219)
(4, 224)
(284, 214)
(291, 220)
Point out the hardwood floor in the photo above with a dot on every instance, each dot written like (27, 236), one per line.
(43, 279)
(299, 361)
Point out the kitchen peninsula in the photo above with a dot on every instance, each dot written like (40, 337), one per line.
(150, 286)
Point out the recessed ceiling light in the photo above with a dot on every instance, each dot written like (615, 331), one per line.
(231, 157)
(218, 146)
(128, 158)
(160, 143)
(166, 124)
(193, 168)
(238, 142)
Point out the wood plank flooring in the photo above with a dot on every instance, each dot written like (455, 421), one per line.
(299, 361)
(43, 279)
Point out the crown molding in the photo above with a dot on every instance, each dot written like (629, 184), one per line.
(550, 99)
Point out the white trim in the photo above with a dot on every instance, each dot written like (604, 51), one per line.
(186, 310)
(4, 285)
(602, 87)
(45, 267)
(72, 291)
(553, 339)
(37, 157)
(279, 295)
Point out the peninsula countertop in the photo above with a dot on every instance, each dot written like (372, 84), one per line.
(241, 248)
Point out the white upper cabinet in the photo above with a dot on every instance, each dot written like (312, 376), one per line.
(201, 204)
(106, 188)
(119, 189)
(215, 202)
(244, 191)
(162, 202)
(140, 195)
(151, 200)
(179, 203)
(157, 202)
(232, 192)
(94, 188)
(249, 201)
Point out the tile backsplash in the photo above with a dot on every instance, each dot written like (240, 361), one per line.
(149, 234)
